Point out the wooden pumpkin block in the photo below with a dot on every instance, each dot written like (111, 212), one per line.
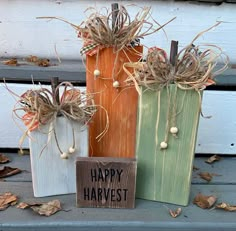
(165, 174)
(52, 175)
(120, 103)
(106, 182)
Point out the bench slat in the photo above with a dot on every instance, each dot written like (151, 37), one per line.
(147, 215)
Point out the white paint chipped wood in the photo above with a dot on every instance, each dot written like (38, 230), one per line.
(215, 135)
(52, 175)
(21, 34)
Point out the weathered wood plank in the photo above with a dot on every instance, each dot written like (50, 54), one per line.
(147, 215)
(225, 168)
(22, 162)
(106, 182)
(20, 16)
(67, 70)
(52, 175)
(165, 174)
(118, 106)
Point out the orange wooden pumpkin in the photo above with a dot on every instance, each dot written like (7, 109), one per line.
(120, 103)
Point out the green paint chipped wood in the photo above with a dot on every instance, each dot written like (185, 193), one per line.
(165, 175)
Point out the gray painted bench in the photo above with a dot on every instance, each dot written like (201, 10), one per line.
(147, 215)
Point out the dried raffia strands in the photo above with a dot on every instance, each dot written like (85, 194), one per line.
(195, 68)
(116, 39)
(98, 32)
(97, 29)
(40, 107)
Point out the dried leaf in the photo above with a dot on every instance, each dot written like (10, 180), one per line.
(32, 59)
(195, 168)
(8, 171)
(226, 207)
(24, 205)
(11, 62)
(4, 159)
(206, 176)
(204, 202)
(213, 159)
(45, 209)
(43, 62)
(175, 213)
(6, 200)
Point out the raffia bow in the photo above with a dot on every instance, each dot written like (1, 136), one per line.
(40, 107)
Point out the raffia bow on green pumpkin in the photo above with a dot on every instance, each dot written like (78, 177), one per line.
(40, 107)
(194, 69)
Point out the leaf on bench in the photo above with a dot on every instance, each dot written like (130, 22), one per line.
(11, 62)
(4, 159)
(204, 202)
(9, 171)
(6, 200)
(226, 207)
(175, 213)
(212, 159)
(44, 208)
(207, 176)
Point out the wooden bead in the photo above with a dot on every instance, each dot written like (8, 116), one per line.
(64, 155)
(174, 130)
(71, 150)
(116, 84)
(163, 145)
(96, 72)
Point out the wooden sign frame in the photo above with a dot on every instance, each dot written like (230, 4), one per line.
(106, 182)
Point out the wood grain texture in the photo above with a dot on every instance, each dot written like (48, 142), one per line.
(165, 175)
(40, 37)
(106, 182)
(148, 215)
(52, 175)
(120, 104)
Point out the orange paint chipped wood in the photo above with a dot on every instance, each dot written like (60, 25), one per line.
(120, 104)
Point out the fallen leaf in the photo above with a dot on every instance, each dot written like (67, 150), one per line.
(175, 213)
(43, 62)
(6, 200)
(38, 61)
(11, 62)
(45, 209)
(226, 207)
(195, 168)
(8, 171)
(32, 59)
(24, 205)
(213, 159)
(4, 159)
(206, 176)
(204, 202)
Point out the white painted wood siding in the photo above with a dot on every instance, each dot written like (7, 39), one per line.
(21, 34)
(215, 135)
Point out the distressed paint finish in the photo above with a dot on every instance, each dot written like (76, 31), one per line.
(106, 182)
(52, 175)
(211, 138)
(165, 175)
(120, 104)
(39, 37)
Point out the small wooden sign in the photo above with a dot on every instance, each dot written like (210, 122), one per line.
(106, 182)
